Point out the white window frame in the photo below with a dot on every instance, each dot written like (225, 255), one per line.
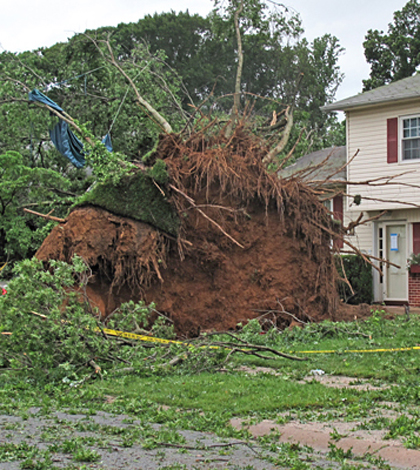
(401, 138)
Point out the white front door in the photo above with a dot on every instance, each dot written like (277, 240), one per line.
(396, 253)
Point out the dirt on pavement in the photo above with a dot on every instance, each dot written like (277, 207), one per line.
(200, 450)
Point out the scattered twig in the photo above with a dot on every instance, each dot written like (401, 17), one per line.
(251, 349)
(204, 447)
(95, 367)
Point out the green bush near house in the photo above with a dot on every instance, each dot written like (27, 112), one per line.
(359, 274)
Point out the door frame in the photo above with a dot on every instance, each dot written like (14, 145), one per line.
(384, 225)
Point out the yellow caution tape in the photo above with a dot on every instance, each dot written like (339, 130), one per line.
(152, 339)
(344, 351)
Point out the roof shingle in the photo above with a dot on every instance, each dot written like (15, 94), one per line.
(407, 88)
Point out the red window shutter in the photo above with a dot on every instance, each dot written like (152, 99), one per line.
(392, 140)
(416, 238)
(338, 215)
(338, 208)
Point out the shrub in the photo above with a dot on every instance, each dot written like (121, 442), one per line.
(359, 274)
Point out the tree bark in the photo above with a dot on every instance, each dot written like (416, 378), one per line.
(237, 95)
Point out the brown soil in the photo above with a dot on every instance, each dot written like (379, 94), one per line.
(212, 288)
(250, 245)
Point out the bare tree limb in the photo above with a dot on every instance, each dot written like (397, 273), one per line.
(251, 349)
(237, 96)
(359, 221)
(156, 116)
(392, 201)
(290, 154)
(269, 158)
(45, 216)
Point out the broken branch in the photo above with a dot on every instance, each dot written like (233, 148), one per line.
(45, 216)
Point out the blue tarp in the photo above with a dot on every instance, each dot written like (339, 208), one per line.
(107, 142)
(63, 138)
(36, 95)
(68, 144)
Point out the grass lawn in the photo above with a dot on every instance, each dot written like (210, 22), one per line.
(180, 398)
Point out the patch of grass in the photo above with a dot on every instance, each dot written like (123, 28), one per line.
(377, 423)
(337, 453)
(291, 456)
(408, 427)
(11, 451)
(241, 394)
(84, 454)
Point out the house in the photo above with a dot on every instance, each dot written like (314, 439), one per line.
(383, 152)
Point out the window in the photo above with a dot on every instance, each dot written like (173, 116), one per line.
(403, 139)
(335, 206)
(328, 204)
(410, 143)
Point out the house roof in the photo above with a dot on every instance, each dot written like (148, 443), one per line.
(335, 159)
(405, 89)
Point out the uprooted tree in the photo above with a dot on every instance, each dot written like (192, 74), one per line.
(201, 51)
(200, 226)
(201, 230)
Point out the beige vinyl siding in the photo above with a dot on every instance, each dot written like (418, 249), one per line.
(367, 136)
(404, 215)
(363, 238)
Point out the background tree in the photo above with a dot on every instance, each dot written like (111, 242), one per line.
(24, 187)
(203, 51)
(394, 55)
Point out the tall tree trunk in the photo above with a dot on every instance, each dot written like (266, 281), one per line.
(237, 95)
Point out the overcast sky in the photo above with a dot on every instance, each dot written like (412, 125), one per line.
(30, 24)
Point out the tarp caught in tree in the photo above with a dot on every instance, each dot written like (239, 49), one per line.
(62, 137)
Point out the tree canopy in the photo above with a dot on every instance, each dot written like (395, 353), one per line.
(394, 55)
(203, 51)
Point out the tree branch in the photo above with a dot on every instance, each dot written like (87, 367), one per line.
(45, 216)
(237, 96)
(158, 118)
(269, 158)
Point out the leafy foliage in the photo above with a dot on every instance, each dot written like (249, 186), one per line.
(202, 51)
(34, 174)
(24, 186)
(54, 335)
(394, 55)
(57, 336)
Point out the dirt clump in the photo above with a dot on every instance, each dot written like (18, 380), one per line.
(249, 244)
